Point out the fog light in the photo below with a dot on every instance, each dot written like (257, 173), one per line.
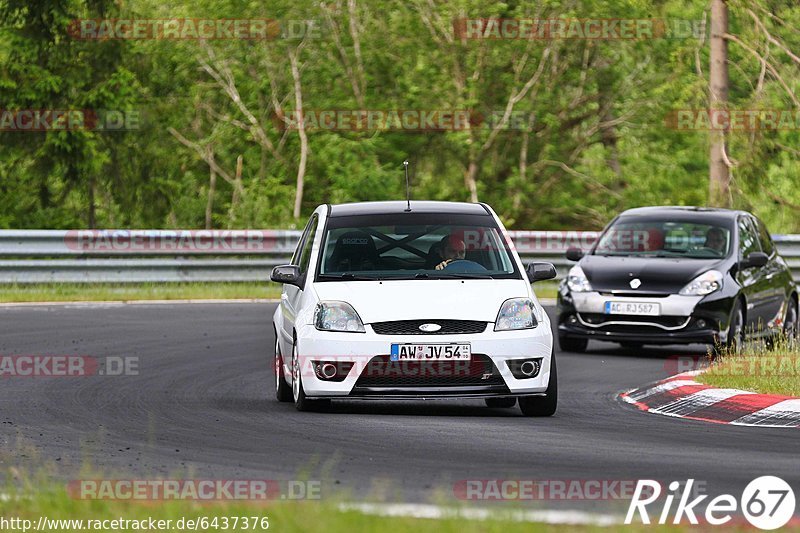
(572, 319)
(701, 324)
(332, 370)
(525, 368)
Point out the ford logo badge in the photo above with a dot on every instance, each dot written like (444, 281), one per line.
(430, 328)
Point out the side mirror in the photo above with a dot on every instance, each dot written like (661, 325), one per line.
(289, 274)
(574, 254)
(540, 271)
(755, 259)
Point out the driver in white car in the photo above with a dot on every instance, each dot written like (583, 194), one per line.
(452, 250)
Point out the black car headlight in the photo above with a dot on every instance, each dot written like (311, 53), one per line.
(703, 284)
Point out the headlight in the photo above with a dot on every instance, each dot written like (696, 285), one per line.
(703, 284)
(576, 280)
(516, 313)
(337, 316)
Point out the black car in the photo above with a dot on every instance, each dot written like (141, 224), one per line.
(667, 275)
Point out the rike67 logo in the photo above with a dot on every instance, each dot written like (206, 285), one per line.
(767, 502)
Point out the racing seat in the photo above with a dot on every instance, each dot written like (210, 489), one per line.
(354, 250)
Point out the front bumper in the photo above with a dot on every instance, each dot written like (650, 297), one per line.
(366, 355)
(683, 319)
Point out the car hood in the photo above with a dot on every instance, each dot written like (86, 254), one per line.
(423, 299)
(658, 275)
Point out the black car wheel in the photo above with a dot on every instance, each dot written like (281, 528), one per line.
(501, 403)
(736, 329)
(790, 325)
(572, 344)
(283, 392)
(543, 405)
(631, 345)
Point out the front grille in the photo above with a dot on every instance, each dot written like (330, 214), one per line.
(638, 321)
(411, 327)
(381, 372)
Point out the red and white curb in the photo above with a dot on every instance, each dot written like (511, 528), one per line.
(682, 397)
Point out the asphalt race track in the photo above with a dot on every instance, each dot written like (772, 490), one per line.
(202, 404)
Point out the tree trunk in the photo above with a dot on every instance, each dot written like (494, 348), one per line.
(301, 131)
(719, 172)
(212, 187)
(92, 209)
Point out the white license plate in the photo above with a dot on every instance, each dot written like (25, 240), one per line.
(430, 352)
(633, 308)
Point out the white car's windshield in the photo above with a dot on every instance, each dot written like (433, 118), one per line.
(414, 246)
(665, 238)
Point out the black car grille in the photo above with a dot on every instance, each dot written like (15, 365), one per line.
(411, 327)
(381, 372)
(638, 321)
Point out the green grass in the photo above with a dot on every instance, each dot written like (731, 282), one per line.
(93, 292)
(305, 516)
(758, 369)
(545, 290)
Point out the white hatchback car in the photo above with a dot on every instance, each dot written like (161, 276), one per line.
(385, 302)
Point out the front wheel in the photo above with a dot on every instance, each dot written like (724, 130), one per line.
(283, 393)
(735, 340)
(543, 405)
(301, 401)
(631, 345)
(501, 403)
(572, 344)
(790, 325)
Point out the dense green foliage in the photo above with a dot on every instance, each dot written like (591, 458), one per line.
(598, 140)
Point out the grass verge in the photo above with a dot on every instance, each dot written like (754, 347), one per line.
(93, 292)
(546, 290)
(58, 511)
(758, 369)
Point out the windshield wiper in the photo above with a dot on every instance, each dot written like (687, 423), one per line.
(464, 275)
(348, 276)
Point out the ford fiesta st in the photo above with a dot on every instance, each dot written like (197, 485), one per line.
(664, 275)
(396, 300)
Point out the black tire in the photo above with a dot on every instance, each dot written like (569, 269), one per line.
(283, 392)
(501, 403)
(631, 345)
(301, 401)
(572, 344)
(543, 405)
(791, 328)
(735, 340)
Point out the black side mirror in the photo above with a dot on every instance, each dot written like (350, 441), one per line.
(574, 254)
(289, 274)
(755, 259)
(541, 271)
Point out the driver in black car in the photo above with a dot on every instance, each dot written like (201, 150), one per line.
(453, 249)
(715, 239)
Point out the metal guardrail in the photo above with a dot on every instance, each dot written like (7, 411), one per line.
(47, 256)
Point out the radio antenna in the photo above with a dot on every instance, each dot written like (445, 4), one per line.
(408, 190)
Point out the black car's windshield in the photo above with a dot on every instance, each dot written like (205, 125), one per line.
(416, 246)
(665, 238)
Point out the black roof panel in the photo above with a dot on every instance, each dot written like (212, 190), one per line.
(399, 206)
